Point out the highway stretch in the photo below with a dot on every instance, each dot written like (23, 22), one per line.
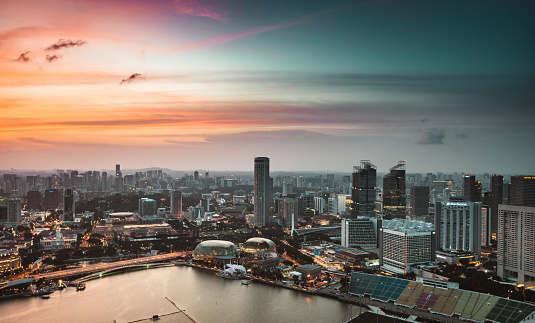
(90, 269)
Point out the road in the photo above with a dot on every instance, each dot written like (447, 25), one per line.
(107, 266)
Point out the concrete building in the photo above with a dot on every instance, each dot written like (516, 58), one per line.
(405, 243)
(516, 243)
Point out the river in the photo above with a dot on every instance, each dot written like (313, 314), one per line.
(206, 298)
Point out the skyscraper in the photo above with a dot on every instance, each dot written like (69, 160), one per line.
(516, 243)
(419, 200)
(176, 204)
(522, 190)
(471, 188)
(394, 199)
(363, 191)
(262, 192)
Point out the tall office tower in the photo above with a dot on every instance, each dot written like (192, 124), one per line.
(471, 188)
(419, 200)
(405, 243)
(118, 178)
(147, 207)
(10, 212)
(458, 226)
(262, 192)
(516, 243)
(394, 199)
(363, 191)
(33, 200)
(176, 204)
(196, 175)
(522, 190)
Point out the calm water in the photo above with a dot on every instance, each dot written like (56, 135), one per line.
(206, 298)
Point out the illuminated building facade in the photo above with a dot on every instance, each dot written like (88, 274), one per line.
(516, 243)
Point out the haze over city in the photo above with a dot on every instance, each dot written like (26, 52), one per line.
(314, 85)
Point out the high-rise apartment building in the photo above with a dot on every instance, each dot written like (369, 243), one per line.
(419, 200)
(263, 196)
(458, 226)
(522, 190)
(471, 188)
(176, 203)
(516, 243)
(364, 189)
(394, 199)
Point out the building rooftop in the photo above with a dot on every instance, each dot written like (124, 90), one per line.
(404, 225)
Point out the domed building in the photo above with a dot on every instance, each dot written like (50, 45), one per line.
(255, 245)
(215, 249)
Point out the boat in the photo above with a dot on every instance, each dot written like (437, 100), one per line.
(245, 282)
(80, 286)
(45, 296)
(155, 317)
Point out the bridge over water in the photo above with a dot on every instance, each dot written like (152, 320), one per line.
(104, 267)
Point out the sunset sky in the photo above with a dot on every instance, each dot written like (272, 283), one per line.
(314, 85)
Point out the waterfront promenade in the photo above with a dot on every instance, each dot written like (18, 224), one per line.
(91, 269)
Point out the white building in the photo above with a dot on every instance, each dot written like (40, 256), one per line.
(405, 243)
(458, 226)
(360, 232)
(319, 204)
(516, 243)
(59, 241)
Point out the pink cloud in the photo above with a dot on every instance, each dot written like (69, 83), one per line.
(253, 31)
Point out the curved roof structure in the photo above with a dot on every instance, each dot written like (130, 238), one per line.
(121, 214)
(215, 248)
(257, 245)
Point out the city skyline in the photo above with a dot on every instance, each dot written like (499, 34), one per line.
(318, 86)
